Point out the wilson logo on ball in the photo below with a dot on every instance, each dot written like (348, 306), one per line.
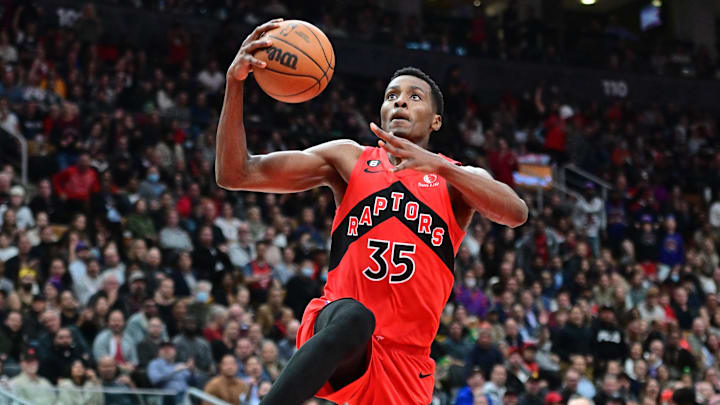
(283, 57)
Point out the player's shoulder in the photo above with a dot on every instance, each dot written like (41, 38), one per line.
(477, 170)
(345, 147)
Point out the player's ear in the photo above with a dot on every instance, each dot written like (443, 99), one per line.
(436, 123)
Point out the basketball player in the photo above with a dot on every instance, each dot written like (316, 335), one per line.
(402, 211)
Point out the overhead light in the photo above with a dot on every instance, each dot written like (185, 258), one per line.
(477, 3)
(587, 2)
(657, 3)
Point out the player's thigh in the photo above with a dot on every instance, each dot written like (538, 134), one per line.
(347, 313)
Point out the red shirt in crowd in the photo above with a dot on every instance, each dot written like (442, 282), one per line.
(555, 133)
(503, 163)
(76, 183)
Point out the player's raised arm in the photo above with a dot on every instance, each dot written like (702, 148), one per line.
(278, 172)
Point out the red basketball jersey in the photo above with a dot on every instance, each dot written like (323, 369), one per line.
(394, 240)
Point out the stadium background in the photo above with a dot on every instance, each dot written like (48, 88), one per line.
(608, 292)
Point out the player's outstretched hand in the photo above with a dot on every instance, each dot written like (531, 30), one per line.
(244, 61)
(412, 156)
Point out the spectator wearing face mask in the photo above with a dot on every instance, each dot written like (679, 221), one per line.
(470, 294)
(151, 188)
(302, 288)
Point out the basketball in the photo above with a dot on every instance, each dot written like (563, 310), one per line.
(300, 62)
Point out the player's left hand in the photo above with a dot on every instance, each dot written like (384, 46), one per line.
(412, 156)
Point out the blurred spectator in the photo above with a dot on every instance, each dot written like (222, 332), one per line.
(137, 326)
(589, 215)
(111, 378)
(495, 388)
(172, 236)
(485, 354)
(608, 340)
(61, 356)
(148, 348)
(475, 383)
(76, 183)
(115, 343)
(29, 385)
(226, 345)
(78, 379)
(23, 215)
(211, 78)
(503, 163)
(302, 288)
(210, 261)
(191, 345)
(258, 274)
(242, 251)
(11, 338)
(165, 372)
(226, 386)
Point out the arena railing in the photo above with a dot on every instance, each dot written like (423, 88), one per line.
(584, 177)
(8, 398)
(139, 396)
(203, 396)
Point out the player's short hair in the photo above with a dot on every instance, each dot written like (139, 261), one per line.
(437, 96)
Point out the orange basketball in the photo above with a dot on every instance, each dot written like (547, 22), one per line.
(300, 62)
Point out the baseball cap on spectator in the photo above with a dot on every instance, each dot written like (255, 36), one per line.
(566, 112)
(475, 370)
(529, 346)
(646, 218)
(29, 354)
(39, 298)
(684, 396)
(166, 342)
(17, 191)
(81, 246)
(553, 397)
(137, 276)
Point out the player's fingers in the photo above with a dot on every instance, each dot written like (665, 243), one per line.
(253, 46)
(255, 62)
(391, 149)
(270, 25)
(385, 136)
(401, 166)
(381, 133)
(377, 130)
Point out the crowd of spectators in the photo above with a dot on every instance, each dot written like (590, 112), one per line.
(513, 30)
(122, 264)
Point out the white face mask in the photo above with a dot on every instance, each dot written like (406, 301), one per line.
(470, 282)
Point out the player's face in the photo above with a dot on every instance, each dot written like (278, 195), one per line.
(407, 110)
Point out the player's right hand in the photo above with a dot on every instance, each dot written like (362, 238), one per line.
(244, 61)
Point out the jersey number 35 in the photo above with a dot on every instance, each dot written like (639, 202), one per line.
(401, 258)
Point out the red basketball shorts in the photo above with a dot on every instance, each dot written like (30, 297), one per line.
(396, 375)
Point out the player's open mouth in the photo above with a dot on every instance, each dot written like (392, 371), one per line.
(399, 120)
